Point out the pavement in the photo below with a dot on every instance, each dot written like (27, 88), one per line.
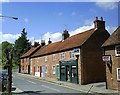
(99, 88)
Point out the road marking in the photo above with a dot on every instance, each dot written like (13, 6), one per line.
(50, 88)
(31, 82)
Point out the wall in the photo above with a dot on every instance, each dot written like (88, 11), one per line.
(92, 67)
(50, 63)
(111, 71)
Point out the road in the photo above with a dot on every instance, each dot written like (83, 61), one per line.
(33, 86)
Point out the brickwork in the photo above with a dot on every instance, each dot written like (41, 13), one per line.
(111, 71)
(91, 58)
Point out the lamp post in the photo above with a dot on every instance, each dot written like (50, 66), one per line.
(9, 56)
(15, 18)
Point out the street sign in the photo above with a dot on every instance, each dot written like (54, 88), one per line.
(106, 58)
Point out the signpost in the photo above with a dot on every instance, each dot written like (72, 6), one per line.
(106, 59)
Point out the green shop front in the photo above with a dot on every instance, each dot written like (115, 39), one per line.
(68, 71)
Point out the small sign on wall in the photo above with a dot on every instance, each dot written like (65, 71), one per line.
(106, 59)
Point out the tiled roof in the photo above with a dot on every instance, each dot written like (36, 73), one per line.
(114, 39)
(30, 52)
(69, 43)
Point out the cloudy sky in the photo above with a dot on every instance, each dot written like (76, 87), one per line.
(44, 20)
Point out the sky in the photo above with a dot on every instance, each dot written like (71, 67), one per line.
(44, 20)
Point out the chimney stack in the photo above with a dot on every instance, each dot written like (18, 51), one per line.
(99, 24)
(42, 43)
(36, 44)
(49, 42)
(65, 35)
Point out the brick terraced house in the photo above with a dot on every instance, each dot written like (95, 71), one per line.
(25, 65)
(77, 58)
(112, 58)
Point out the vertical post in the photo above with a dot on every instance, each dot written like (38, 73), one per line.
(10, 74)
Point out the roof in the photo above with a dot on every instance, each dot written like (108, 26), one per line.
(30, 52)
(69, 43)
(114, 39)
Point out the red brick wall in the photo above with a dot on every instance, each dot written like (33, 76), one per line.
(50, 63)
(92, 67)
(111, 71)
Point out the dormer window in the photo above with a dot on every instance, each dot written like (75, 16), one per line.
(117, 50)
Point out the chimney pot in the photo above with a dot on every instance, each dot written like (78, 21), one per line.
(42, 43)
(49, 42)
(101, 18)
(65, 35)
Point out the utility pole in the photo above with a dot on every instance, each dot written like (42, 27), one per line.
(9, 57)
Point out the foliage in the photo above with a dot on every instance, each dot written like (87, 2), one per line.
(3, 46)
(21, 46)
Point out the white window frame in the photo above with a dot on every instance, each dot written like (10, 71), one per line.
(38, 59)
(31, 60)
(71, 54)
(27, 60)
(46, 69)
(117, 50)
(46, 58)
(62, 56)
(118, 74)
(54, 57)
(53, 69)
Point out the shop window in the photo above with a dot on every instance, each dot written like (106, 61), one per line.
(117, 50)
(118, 74)
(53, 69)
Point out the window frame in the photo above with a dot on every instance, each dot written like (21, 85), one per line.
(53, 69)
(118, 75)
(53, 57)
(46, 58)
(71, 53)
(62, 56)
(116, 50)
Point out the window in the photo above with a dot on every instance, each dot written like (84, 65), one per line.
(22, 60)
(117, 50)
(71, 54)
(62, 56)
(54, 57)
(38, 59)
(53, 69)
(118, 74)
(30, 60)
(46, 59)
(38, 69)
(27, 60)
(46, 69)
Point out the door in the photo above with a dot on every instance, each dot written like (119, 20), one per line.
(58, 72)
(43, 71)
(34, 70)
(40, 71)
(28, 69)
(63, 73)
(74, 74)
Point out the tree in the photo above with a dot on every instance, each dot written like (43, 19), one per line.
(21, 46)
(3, 46)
